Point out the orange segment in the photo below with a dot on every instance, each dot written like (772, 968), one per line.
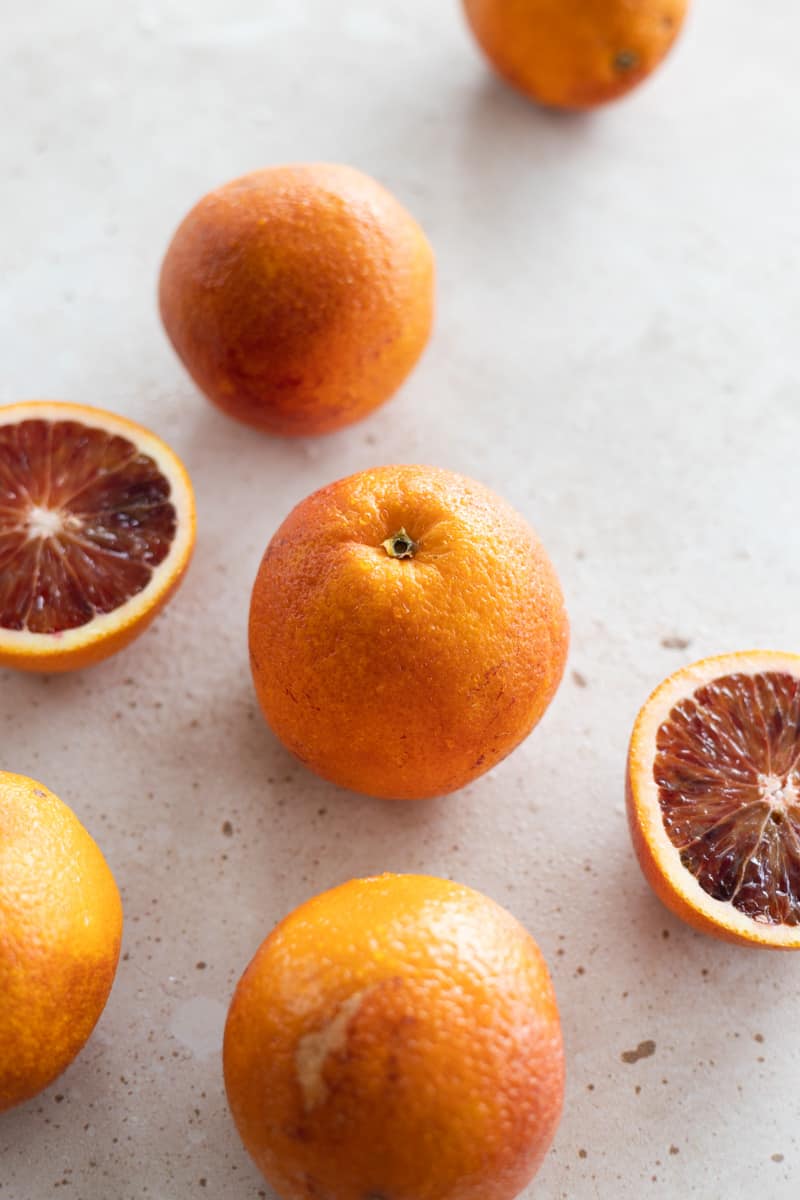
(714, 795)
(97, 527)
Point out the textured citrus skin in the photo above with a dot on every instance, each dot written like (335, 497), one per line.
(396, 1037)
(60, 931)
(100, 639)
(298, 297)
(659, 860)
(405, 677)
(575, 53)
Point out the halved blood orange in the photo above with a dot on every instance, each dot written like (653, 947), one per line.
(713, 794)
(97, 526)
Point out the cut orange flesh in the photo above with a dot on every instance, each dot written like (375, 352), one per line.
(97, 526)
(714, 796)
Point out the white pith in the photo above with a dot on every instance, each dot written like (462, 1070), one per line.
(43, 522)
(314, 1050)
(645, 789)
(40, 522)
(779, 791)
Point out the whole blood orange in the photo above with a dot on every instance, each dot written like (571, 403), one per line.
(575, 53)
(396, 1037)
(714, 796)
(97, 526)
(60, 930)
(407, 631)
(298, 297)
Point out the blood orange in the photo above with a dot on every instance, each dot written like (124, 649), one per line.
(714, 796)
(575, 54)
(97, 525)
(60, 931)
(407, 631)
(396, 1038)
(298, 297)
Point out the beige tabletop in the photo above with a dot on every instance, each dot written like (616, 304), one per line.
(616, 352)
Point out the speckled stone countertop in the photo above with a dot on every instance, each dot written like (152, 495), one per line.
(616, 352)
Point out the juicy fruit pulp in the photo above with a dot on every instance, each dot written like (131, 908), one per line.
(84, 518)
(728, 774)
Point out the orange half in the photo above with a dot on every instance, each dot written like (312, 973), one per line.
(97, 526)
(713, 792)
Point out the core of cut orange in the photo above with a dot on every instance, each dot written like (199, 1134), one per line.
(713, 793)
(97, 526)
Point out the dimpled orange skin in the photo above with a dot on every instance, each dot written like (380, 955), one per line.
(60, 931)
(299, 298)
(405, 678)
(396, 1037)
(575, 54)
